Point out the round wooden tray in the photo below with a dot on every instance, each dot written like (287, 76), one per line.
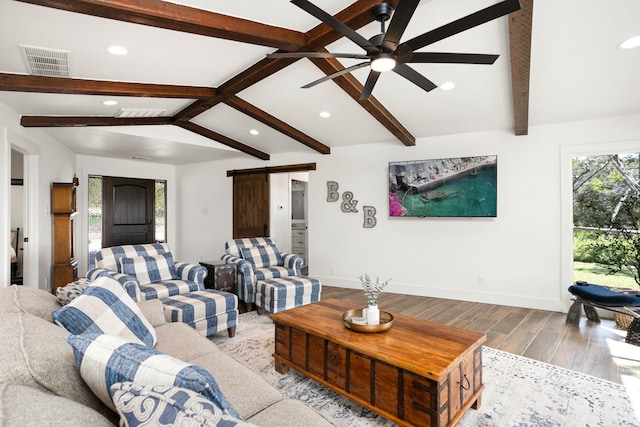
(386, 320)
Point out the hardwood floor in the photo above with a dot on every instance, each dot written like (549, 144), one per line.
(596, 349)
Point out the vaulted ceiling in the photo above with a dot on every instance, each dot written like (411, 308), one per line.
(202, 67)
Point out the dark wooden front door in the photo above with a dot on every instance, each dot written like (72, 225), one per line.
(251, 205)
(128, 216)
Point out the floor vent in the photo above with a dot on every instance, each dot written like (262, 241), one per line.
(42, 61)
(139, 112)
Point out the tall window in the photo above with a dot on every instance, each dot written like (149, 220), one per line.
(96, 215)
(606, 217)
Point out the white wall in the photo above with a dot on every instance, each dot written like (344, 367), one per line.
(92, 165)
(519, 254)
(47, 161)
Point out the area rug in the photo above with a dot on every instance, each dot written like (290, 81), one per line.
(519, 391)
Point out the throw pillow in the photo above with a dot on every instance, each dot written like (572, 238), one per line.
(68, 293)
(163, 405)
(104, 360)
(263, 256)
(106, 308)
(149, 269)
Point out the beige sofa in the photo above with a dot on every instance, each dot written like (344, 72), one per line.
(40, 385)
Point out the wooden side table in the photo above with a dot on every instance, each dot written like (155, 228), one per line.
(221, 276)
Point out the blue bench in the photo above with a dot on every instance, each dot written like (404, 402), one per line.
(596, 296)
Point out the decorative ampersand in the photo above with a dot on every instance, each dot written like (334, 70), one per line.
(348, 204)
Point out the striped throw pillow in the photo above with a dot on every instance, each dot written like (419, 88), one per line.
(149, 269)
(104, 360)
(105, 308)
(263, 256)
(140, 405)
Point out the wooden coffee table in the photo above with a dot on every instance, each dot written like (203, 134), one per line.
(416, 373)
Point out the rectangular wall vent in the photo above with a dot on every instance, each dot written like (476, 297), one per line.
(139, 112)
(42, 61)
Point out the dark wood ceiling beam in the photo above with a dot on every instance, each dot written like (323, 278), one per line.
(353, 88)
(207, 133)
(170, 16)
(82, 121)
(520, 26)
(41, 84)
(277, 124)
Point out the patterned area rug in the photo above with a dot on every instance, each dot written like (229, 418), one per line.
(518, 391)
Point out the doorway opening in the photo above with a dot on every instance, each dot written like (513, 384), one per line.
(153, 223)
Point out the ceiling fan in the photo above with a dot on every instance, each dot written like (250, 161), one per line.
(384, 52)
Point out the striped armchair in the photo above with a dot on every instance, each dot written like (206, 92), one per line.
(148, 271)
(257, 259)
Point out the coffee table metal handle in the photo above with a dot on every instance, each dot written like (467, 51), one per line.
(468, 386)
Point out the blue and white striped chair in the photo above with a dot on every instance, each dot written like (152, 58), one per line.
(148, 271)
(258, 259)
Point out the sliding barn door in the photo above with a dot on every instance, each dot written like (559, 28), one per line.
(251, 205)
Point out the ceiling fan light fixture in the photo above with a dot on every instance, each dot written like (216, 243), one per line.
(629, 43)
(382, 63)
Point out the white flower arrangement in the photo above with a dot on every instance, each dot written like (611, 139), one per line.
(372, 291)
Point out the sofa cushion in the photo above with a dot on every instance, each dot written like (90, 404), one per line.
(105, 307)
(234, 377)
(104, 360)
(149, 269)
(164, 405)
(35, 354)
(263, 256)
(71, 291)
(25, 406)
(23, 299)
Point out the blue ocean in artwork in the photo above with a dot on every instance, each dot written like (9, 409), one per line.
(471, 193)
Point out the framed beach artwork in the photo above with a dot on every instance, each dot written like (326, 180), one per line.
(451, 187)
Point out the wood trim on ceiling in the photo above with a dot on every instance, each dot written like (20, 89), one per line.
(225, 140)
(170, 16)
(301, 167)
(520, 27)
(82, 121)
(43, 84)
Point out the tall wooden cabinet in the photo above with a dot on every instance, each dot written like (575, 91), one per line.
(63, 210)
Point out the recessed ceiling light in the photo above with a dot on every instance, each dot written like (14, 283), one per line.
(325, 114)
(254, 132)
(110, 102)
(447, 85)
(117, 50)
(629, 43)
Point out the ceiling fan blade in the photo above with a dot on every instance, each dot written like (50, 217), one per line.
(414, 77)
(336, 74)
(448, 58)
(398, 24)
(478, 18)
(368, 86)
(340, 27)
(316, 55)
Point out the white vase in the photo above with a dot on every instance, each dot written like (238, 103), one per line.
(373, 315)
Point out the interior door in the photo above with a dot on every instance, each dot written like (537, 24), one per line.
(128, 216)
(251, 205)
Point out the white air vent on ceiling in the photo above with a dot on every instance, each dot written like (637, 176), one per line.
(42, 61)
(139, 112)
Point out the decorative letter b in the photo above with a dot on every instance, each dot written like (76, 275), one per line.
(332, 191)
(369, 213)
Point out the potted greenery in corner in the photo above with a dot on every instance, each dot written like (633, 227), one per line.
(372, 292)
